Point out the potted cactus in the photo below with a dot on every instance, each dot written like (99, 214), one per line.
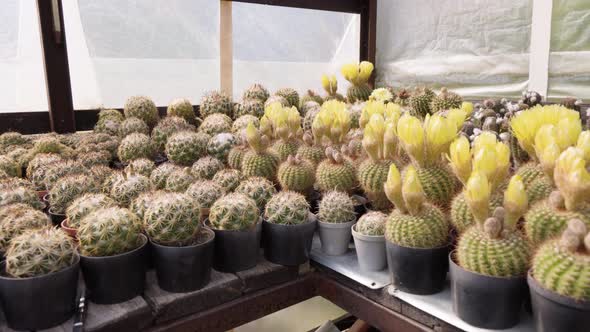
(185, 147)
(287, 229)
(81, 207)
(65, 191)
(335, 218)
(558, 281)
(259, 161)
(369, 240)
(358, 75)
(235, 219)
(297, 174)
(18, 218)
(205, 192)
(489, 265)
(182, 249)
(417, 235)
(113, 255)
(39, 279)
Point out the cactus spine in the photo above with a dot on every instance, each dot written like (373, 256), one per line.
(287, 208)
(445, 100)
(257, 188)
(234, 212)
(336, 207)
(173, 220)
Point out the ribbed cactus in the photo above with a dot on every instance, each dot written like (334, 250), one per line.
(539, 189)
(109, 231)
(461, 217)
(256, 91)
(143, 108)
(336, 207)
(135, 146)
(205, 192)
(220, 145)
(67, 189)
(206, 167)
(420, 101)
(414, 223)
(173, 220)
(160, 174)
(38, 252)
(234, 212)
(529, 172)
(185, 147)
(86, 204)
(290, 95)
(183, 108)
(563, 265)
(18, 218)
(257, 188)
(166, 128)
(445, 100)
(216, 102)
(229, 179)
(335, 173)
(296, 174)
(216, 123)
(358, 75)
(287, 208)
(493, 245)
(126, 188)
(133, 125)
(311, 151)
(258, 161)
(310, 114)
(179, 180)
(372, 223)
(235, 156)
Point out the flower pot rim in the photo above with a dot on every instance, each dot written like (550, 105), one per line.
(310, 219)
(53, 213)
(145, 242)
(74, 265)
(66, 225)
(208, 225)
(453, 262)
(364, 237)
(210, 238)
(361, 200)
(550, 295)
(446, 245)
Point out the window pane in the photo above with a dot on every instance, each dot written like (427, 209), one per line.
(22, 73)
(290, 47)
(162, 49)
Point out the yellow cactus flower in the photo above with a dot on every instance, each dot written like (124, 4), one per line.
(333, 121)
(567, 132)
(503, 164)
(381, 94)
(439, 133)
(392, 113)
(571, 178)
(584, 144)
(365, 71)
(393, 188)
(266, 126)
(371, 107)
(350, 72)
(412, 191)
(330, 84)
(486, 139)
(477, 195)
(390, 142)
(467, 107)
(371, 143)
(460, 158)
(548, 157)
(515, 201)
(546, 135)
(411, 135)
(294, 119)
(457, 116)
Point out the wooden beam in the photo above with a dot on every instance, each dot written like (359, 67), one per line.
(226, 47)
(57, 71)
(345, 6)
(368, 40)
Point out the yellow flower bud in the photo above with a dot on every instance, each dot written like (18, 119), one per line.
(389, 142)
(412, 191)
(253, 136)
(515, 201)
(486, 139)
(460, 158)
(584, 144)
(365, 70)
(571, 178)
(546, 135)
(502, 164)
(393, 188)
(484, 162)
(326, 83)
(477, 195)
(547, 158)
(457, 117)
(568, 130)
(392, 112)
(371, 143)
(467, 107)
(411, 135)
(440, 132)
(266, 126)
(350, 72)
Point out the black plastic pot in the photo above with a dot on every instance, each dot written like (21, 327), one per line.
(184, 269)
(39, 302)
(160, 159)
(416, 270)
(314, 201)
(554, 312)
(115, 279)
(236, 250)
(484, 301)
(56, 218)
(360, 205)
(288, 244)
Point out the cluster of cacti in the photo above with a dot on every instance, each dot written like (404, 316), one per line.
(216, 102)
(562, 265)
(143, 108)
(220, 145)
(414, 222)
(20, 194)
(108, 232)
(372, 223)
(335, 173)
(229, 179)
(38, 252)
(179, 179)
(206, 167)
(185, 147)
(85, 204)
(125, 188)
(358, 75)
(287, 208)
(258, 160)
(205, 192)
(182, 108)
(11, 138)
(18, 218)
(135, 146)
(67, 189)
(46, 144)
(166, 128)
(216, 123)
(234, 212)
(257, 188)
(141, 166)
(172, 219)
(296, 174)
(133, 125)
(336, 207)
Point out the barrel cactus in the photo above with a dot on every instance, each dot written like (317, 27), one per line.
(183, 108)
(216, 123)
(127, 187)
(206, 167)
(310, 150)
(142, 107)
(20, 194)
(420, 101)
(172, 220)
(234, 212)
(216, 102)
(133, 125)
(372, 223)
(86, 204)
(290, 95)
(336, 207)
(179, 180)
(258, 161)
(242, 122)
(229, 179)
(18, 218)
(287, 208)
(296, 174)
(257, 188)
(67, 189)
(166, 128)
(253, 107)
(220, 145)
(358, 75)
(135, 146)
(235, 156)
(142, 202)
(335, 173)
(11, 167)
(205, 192)
(160, 174)
(185, 147)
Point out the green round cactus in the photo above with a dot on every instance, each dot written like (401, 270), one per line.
(296, 174)
(539, 189)
(126, 188)
(220, 145)
(439, 184)
(529, 172)
(284, 149)
(110, 114)
(335, 173)
(100, 173)
(166, 128)
(420, 101)
(20, 194)
(229, 179)
(143, 108)
(257, 92)
(360, 92)
(67, 189)
(252, 107)
(108, 232)
(159, 175)
(38, 252)
(89, 159)
(242, 122)
(206, 167)
(235, 156)
(216, 123)
(336, 207)
(257, 188)
(372, 174)
(11, 167)
(563, 265)
(287, 208)
(371, 223)
(141, 166)
(15, 219)
(290, 95)
(182, 108)
(205, 192)
(135, 146)
(355, 110)
(108, 126)
(185, 147)
(179, 180)
(234, 212)
(38, 165)
(314, 154)
(445, 100)
(142, 202)
(133, 125)
(263, 164)
(461, 216)
(216, 102)
(173, 220)
(426, 229)
(86, 204)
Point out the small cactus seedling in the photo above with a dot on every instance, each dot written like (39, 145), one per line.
(358, 75)
(173, 220)
(257, 188)
(336, 207)
(372, 223)
(234, 212)
(287, 208)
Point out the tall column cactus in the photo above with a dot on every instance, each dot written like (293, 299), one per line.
(358, 75)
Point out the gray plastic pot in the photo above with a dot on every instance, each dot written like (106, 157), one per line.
(335, 237)
(370, 250)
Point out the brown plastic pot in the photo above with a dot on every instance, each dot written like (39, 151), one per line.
(72, 232)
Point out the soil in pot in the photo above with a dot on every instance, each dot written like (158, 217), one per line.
(288, 244)
(417, 270)
(115, 279)
(39, 302)
(335, 237)
(236, 250)
(184, 269)
(370, 250)
(485, 301)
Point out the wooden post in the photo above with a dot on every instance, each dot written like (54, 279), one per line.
(226, 47)
(369, 34)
